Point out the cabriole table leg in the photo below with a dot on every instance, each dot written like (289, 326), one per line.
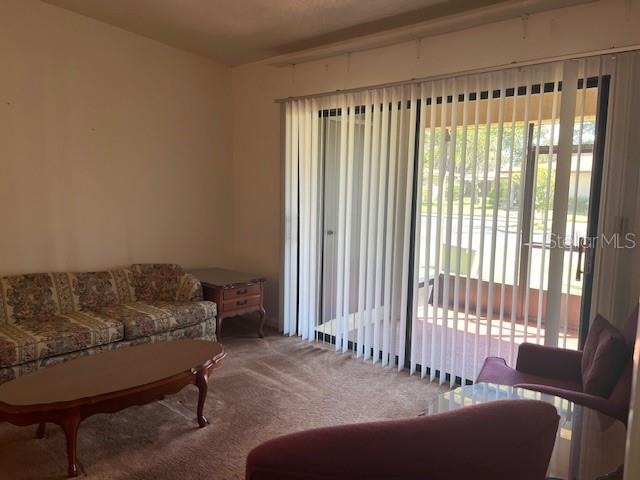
(202, 383)
(70, 427)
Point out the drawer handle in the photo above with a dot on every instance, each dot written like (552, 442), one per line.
(241, 302)
(242, 292)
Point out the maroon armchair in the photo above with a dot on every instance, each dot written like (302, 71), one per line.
(559, 372)
(500, 440)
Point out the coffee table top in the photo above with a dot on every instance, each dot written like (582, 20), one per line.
(588, 444)
(224, 278)
(113, 371)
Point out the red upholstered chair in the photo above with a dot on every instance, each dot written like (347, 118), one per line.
(558, 372)
(501, 440)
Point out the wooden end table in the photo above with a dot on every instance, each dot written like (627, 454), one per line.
(67, 393)
(235, 293)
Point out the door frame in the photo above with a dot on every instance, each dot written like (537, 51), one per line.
(597, 172)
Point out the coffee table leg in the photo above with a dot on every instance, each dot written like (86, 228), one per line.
(42, 428)
(70, 427)
(263, 316)
(203, 385)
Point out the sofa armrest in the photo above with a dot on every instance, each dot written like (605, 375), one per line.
(550, 362)
(189, 289)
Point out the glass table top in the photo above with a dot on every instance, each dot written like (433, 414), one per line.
(589, 444)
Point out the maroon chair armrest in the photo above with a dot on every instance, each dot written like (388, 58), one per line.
(463, 443)
(594, 402)
(550, 362)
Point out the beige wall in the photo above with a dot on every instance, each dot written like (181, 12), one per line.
(257, 226)
(113, 148)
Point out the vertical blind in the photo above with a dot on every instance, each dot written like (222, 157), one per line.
(493, 234)
(435, 224)
(370, 139)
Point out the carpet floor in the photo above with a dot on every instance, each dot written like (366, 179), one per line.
(266, 387)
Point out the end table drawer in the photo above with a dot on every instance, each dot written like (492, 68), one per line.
(247, 291)
(240, 303)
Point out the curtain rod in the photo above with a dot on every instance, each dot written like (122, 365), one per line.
(413, 81)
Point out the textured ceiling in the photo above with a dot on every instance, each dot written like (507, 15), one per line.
(240, 31)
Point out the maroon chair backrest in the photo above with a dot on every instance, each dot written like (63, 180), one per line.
(621, 394)
(509, 439)
(631, 327)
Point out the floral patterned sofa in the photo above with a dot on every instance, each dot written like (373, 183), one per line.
(49, 318)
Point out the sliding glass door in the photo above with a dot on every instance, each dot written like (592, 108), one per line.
(582, 186)
(432, 225)
(366, 223)
(507, 179)
(335, 229)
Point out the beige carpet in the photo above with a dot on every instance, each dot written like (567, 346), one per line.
(265, 388)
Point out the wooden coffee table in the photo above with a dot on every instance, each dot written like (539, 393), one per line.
(67, 393)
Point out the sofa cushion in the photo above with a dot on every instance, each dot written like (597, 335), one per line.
(92, 290)
(141, 319)
(156, 281)
(29, 296)
(205, 330)
(35, 338)
(605, 355)
(43, 295)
